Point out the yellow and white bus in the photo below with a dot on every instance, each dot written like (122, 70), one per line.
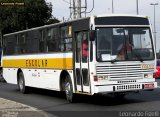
(110, 54)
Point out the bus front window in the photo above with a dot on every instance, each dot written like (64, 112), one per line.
(124, 44)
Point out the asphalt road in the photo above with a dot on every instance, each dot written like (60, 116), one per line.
(55, 102)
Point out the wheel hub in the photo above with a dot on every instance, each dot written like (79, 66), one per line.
(21, 84)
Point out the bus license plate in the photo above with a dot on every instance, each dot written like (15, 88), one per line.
(147, 86)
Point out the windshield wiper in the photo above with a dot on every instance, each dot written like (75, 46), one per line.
(114, 60)
(138, 56)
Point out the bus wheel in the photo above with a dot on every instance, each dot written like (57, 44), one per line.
(1, 76)
(69, 89)
(21, 83)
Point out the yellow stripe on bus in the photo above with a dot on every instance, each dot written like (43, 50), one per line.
(55, 63)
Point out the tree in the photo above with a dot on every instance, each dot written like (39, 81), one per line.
(32, 13)
(52, 21)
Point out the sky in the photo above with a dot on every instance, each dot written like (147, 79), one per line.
(61, 10)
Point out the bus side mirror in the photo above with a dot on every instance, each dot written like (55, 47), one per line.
(92, 35)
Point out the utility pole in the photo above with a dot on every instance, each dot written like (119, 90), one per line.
(137, 7)
(78, 8)
(112, 7)
(74, 10)
(154, 4)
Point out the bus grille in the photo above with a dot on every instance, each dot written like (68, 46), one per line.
(128, 87)
(122, 71)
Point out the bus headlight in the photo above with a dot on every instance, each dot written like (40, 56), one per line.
(100, 78)
(148, 75)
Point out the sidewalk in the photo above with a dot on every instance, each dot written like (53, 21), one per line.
(13, 109)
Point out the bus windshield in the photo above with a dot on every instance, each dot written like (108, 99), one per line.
(126, 43)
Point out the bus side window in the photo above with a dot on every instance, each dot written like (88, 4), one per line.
(21, 43)
(66, 38)
(85, 47)
(42, 47)
(91, 51)
(9, 48)
(52, 40)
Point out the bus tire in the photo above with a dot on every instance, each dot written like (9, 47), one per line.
(21, 83)
(1, 76)
(68, 87)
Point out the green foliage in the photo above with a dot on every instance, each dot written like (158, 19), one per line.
(32, 13)
(52, 21)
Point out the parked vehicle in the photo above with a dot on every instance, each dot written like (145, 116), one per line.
(157, 73)
(85, 56)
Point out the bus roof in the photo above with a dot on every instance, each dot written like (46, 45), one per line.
(50, 25)
(125, 15)
(45, 26)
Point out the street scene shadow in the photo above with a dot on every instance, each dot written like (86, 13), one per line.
(103, 100)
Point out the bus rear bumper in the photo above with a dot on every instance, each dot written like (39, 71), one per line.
(125, 87)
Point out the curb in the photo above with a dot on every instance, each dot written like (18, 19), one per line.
(10, 108)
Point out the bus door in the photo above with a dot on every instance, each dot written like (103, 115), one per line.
(81, 62)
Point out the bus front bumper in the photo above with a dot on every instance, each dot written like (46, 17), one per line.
(125, 87)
